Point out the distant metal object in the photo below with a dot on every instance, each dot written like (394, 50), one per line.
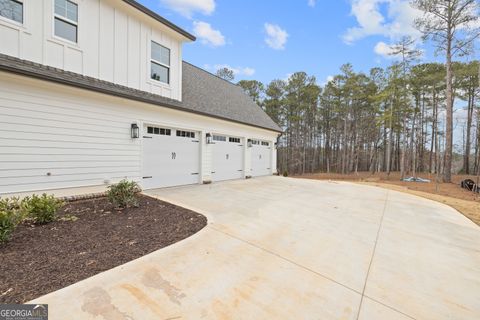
(470, 185)
(415, 179)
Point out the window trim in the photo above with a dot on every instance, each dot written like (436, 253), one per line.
(152, 60)
(66, 20)
(16, 23)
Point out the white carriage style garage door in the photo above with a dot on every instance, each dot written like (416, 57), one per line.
(171, 157)
(261, 158)
(227, 158)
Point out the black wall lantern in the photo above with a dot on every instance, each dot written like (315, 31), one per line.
(249, 143)
(208, 137)
(134, 131)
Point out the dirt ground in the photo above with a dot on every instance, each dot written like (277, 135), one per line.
(467, 202)
(41, 259)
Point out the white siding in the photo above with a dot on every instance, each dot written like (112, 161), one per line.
(82, 138)
(113, 43)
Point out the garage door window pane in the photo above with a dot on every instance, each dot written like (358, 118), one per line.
(186, 134)
(219, 138)
(12, 10)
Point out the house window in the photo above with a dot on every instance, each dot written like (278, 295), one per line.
(186, 134)
(219, 138)
(12, 10)
(236, 140)
(160, 63)
(66, 20)
(159, 131)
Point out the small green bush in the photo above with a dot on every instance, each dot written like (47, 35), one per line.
(123, 194)
(12, 211)
(285, 173)
(43, 209)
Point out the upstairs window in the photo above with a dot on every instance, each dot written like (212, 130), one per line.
(12, 10)
(160, 63)
(66, 20)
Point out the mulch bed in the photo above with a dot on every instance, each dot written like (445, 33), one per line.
(41, 259)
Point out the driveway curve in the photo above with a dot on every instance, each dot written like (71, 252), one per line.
(282, 248)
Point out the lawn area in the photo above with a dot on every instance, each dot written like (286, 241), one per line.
(88, 237)
(467, 202)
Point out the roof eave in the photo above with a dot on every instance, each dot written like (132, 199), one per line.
(174, 104)
(160, 19)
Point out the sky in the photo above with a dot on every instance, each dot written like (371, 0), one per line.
(266, 40)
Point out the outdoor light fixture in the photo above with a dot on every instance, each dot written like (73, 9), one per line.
(249, 143)
(134, 131)
(208, 137)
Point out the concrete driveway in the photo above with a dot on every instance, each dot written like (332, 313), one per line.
(280, 248)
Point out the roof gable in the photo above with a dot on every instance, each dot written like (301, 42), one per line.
(207, 93)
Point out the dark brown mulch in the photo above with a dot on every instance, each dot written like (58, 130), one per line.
(41, 259)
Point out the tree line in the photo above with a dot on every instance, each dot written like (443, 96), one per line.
(386, 120)
(399, 118)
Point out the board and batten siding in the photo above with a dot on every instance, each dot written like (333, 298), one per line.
(113, 43)
(54, 136)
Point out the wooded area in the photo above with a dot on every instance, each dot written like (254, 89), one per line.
(372, 122)
(400, 118)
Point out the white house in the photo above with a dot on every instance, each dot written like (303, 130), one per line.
(95, 91)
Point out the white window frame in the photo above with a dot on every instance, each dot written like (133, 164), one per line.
(152, 60)
(16, 23)
(65, 19)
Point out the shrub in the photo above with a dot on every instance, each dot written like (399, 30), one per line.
(43, 209)
(123, 194)
(12, 211)
(285, 173)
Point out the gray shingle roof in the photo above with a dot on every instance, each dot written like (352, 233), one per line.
(207, 93)
(211, 96)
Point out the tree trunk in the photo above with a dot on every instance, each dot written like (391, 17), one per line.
(466, 161)
(447, 177)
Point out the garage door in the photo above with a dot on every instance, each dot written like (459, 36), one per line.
(171, 157)
(227, 158)
(261, 158)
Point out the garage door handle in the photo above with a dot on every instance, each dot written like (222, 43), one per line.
(239, 170)
(149, 177)
(147, 137)
(194, 173)
(213, 171)
(195, 141)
